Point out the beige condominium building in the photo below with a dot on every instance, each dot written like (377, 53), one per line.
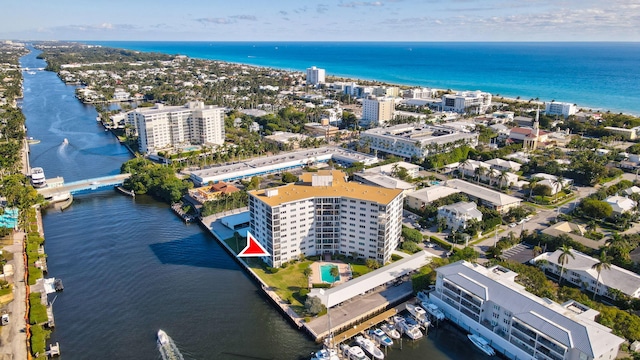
(325, 214)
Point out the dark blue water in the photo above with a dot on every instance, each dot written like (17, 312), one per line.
(130, 267)
(596, 75)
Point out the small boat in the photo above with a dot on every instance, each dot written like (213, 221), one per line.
(65, 141)
(482, 344)
(38, 179)
(381, 337)
(416, 311)
(419, 314)
(433, 310)
(368, 346)
(391, 331)
(411, 330)
(422, 296)
(168, 349)
(325, 354)
(355, 353)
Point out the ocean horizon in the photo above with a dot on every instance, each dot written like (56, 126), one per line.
(594, 75)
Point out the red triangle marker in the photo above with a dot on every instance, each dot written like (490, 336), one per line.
(253, 248)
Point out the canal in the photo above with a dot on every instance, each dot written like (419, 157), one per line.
(131, 267)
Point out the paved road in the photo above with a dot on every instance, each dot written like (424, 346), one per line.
(13, 339)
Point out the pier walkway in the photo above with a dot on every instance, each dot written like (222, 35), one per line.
(64, 191)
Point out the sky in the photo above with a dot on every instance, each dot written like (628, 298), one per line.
(321, 20)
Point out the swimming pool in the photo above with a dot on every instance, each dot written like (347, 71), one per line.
(325, 274)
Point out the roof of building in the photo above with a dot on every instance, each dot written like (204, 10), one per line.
(432, 193)
(632, 190)
(388, 168)
(360, 285)
(620, 204)
(567, 228)
(482, 192)
(615, 277)
(463, 208)
(420, 133)
(559, 322)
(385, 181)
(336, 186)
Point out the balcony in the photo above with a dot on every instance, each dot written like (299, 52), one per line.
(521, 345)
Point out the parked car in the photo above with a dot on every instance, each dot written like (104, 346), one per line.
(512, 225)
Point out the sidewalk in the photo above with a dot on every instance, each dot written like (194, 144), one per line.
(13, 339)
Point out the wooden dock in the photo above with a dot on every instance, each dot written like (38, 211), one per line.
(348, 334)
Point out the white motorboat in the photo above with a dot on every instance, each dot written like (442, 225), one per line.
(325, 354)
(65, 141)
(38, 180)
(482, 344)
(381, 337)
(419, 314)
(368, 346)
(411, 330)
(391, 331)
(433, 310)
(168, 349)
(416, 311)
(354, 353)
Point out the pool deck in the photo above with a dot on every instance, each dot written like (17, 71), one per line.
(316, 277)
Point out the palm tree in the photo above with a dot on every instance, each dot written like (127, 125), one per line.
(503, 177)
(464, 165)
(537, 250)
(563, 258)
(532, 186)
(604, 262)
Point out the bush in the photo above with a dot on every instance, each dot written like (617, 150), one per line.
(34, 274)
(39, 338)
(303, 292)
(272, 270)
(440, 242)
(321, 286)
(37, 311)
(395, 257)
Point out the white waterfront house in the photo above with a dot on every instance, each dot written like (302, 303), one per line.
(560, 108)
(162, 127)
(325, 214)
(518, 324)
(457, 215)
(579, 271)
(410, 140)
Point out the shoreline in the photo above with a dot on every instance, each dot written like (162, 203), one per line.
(355, 78)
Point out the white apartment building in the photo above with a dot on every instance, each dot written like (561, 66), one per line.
(378, 109)
(560, 108)
(315, 76)
(163, 127)
(457, 215)
(475, 102)
(407, 140)
(326, 214)
(518, 324)
(579, 271)
(420, 93)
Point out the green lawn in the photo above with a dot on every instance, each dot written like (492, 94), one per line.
(286, 282)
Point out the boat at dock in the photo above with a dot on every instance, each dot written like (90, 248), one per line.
(38, 180)
(391, 331)
(368, 346)
(433, 310)
(168, 349)
(411, 330)
(325, 354)
(422, 296)
(419, 314)
(482, 344)
(354, 353)
(381, 338)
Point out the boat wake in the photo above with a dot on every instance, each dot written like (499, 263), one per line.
(168, 349)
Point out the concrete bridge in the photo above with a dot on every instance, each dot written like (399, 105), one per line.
(64, 191)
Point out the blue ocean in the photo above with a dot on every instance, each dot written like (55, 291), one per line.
(601, 75)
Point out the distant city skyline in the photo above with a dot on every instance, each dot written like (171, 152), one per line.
(311, 20)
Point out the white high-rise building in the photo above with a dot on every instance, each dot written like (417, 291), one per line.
(560, 108)
(162, 127)
(315, 76)
(476, 102)
(377, 109)
(325, 214)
